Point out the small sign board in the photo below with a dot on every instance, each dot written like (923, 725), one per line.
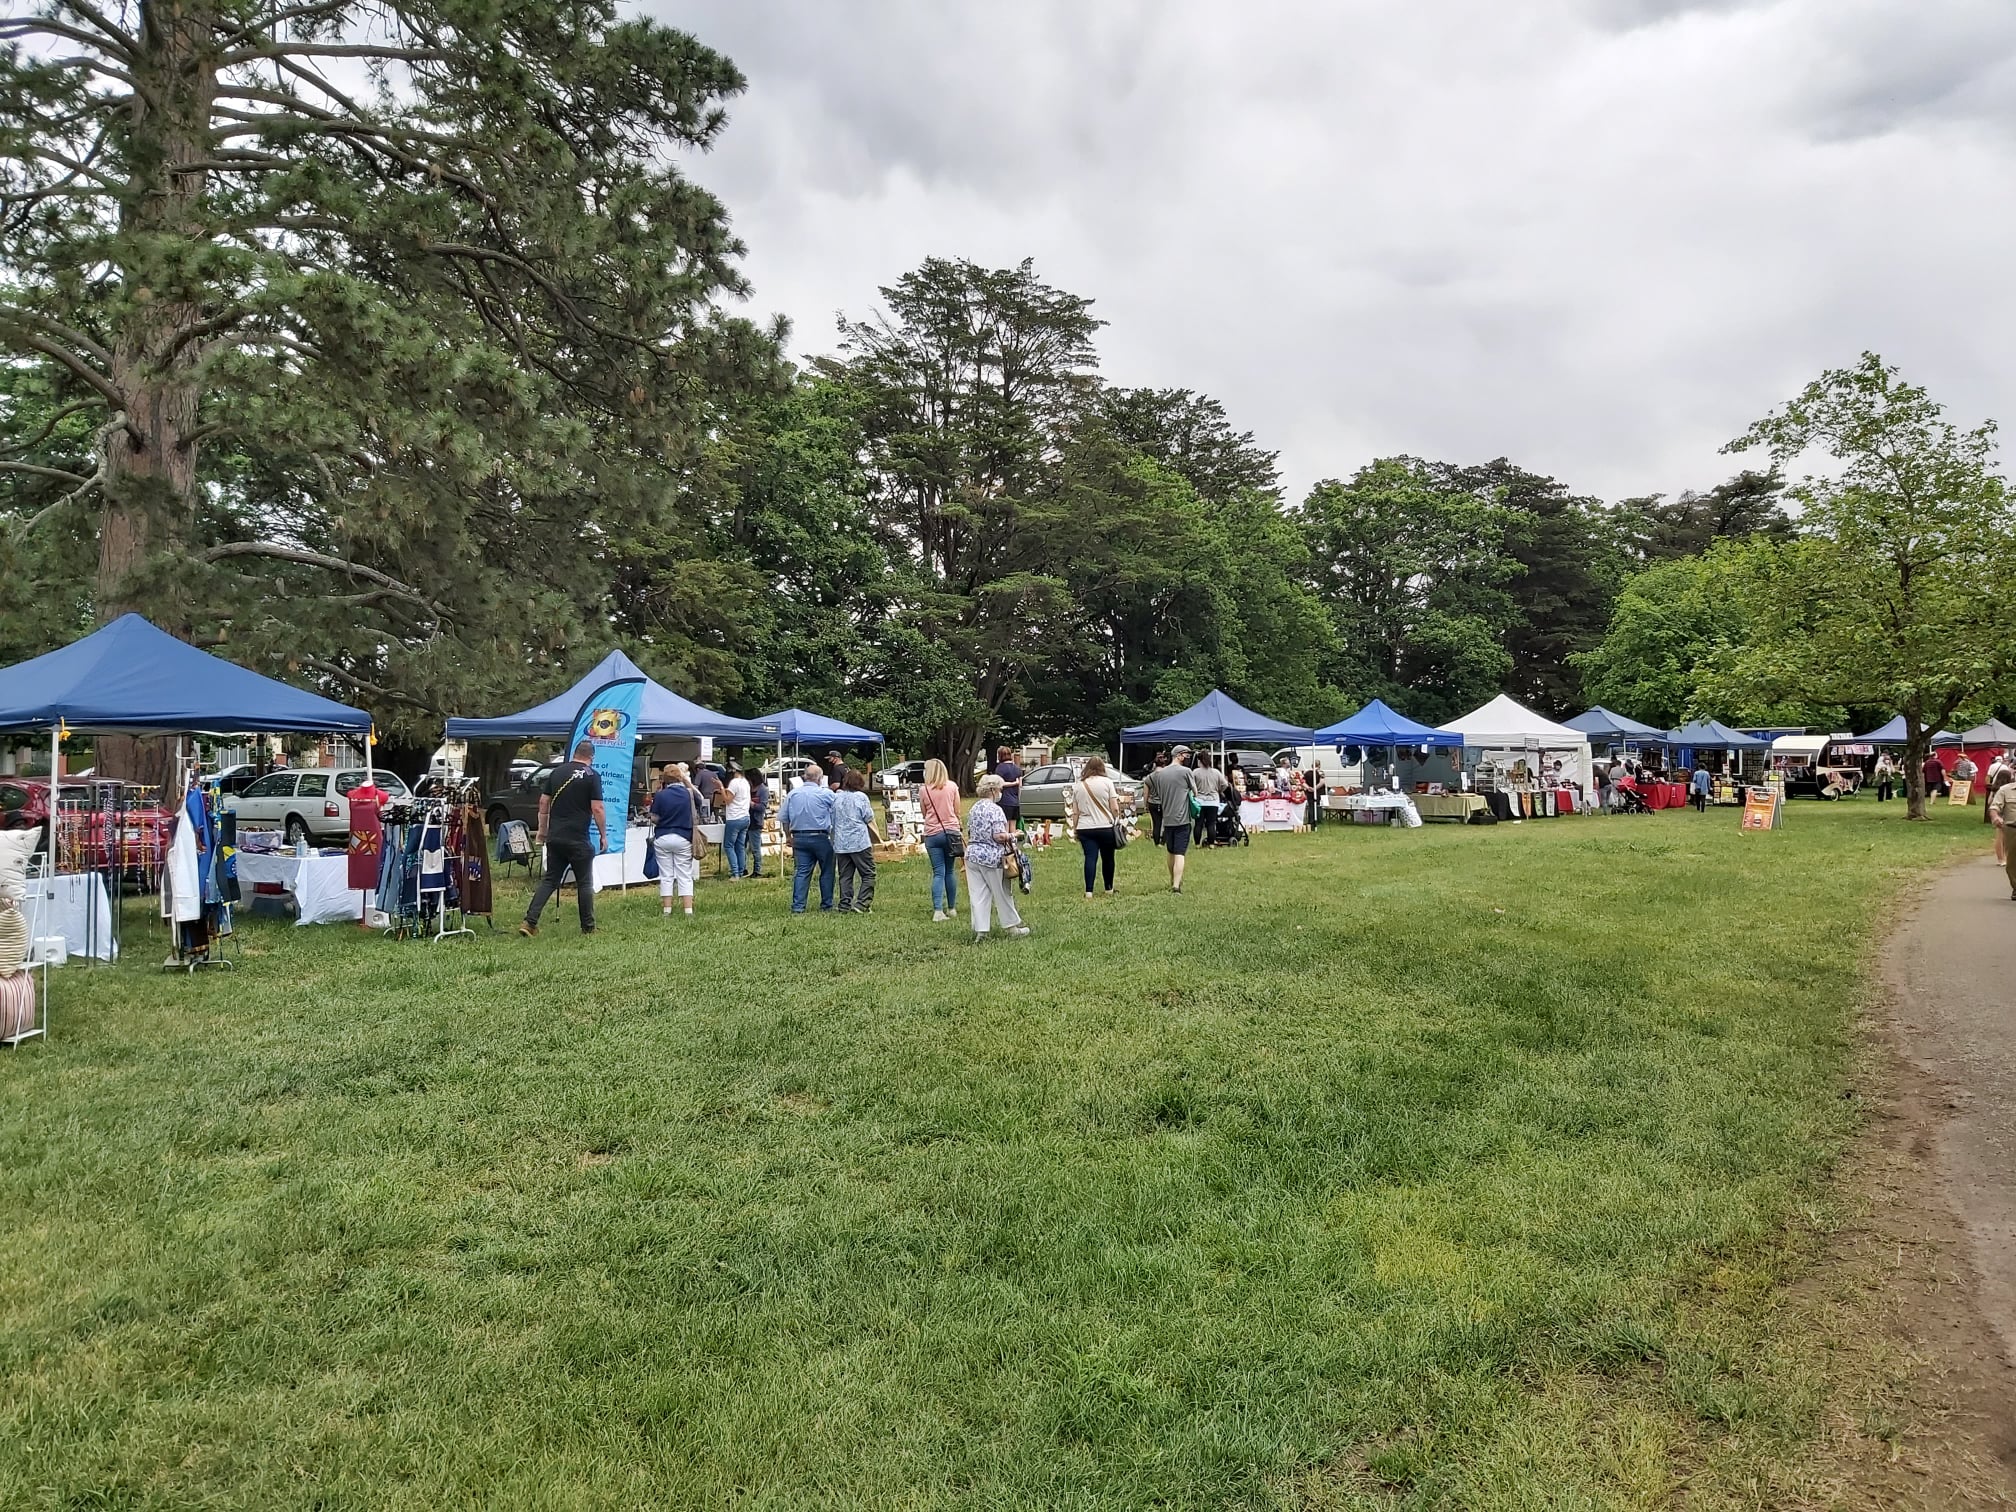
(1763, 809)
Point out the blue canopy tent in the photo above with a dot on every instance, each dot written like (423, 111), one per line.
(1601, 724)
(133, 678)
(1378, 725)
(1215, 719)
(798, 728)
(1712, 735)
(1893, 734)
(664, 713)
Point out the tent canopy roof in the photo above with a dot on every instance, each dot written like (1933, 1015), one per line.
(1378, 725)
(1713, 735)
(664, 713)
(1600, 723)
(1216, 716)
(801, 726)
(132, 677)
(1994, 732)
(1505, 723)
(1893, 734)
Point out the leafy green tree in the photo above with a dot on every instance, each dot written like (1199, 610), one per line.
(384, 323)
(968, 381)
(1190, 434)
(1893, 593)
(1657, 529)
(1414, 573)
(1569, 562)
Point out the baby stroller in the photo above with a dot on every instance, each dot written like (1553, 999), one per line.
(1227, 830)
(1631, 801)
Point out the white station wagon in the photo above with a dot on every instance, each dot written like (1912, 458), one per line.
(307, 802)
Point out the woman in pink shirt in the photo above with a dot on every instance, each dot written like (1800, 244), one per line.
(939, 798)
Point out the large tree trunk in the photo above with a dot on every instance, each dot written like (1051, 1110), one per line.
(1917, 744)
(150, 464)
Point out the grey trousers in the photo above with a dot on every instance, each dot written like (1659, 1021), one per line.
(857, 879)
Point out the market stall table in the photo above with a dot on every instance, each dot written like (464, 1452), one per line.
(1392, 808)
(1271, 813)
(1457, 806)
(319, 884)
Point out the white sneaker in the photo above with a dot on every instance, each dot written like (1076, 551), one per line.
(939, 916)
(1019, 930)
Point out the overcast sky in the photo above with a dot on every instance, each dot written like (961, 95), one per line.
(1596, 236)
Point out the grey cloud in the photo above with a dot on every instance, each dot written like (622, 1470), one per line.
(1458, 230)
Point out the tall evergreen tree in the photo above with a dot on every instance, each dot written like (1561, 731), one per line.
(384, 321)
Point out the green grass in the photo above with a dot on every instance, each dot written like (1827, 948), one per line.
(1381, 1168)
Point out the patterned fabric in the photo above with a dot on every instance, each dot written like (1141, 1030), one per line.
(17, 1003)
(476, 897)
(367, 836)
(13, 940)
(987, 830)
(851, 818)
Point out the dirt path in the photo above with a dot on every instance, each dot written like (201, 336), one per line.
(1950, 969)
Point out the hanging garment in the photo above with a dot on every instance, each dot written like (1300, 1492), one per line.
(433, 854)
(184, 877)
(367, 834)
(476, 897)
(227, 860)
(514, 841)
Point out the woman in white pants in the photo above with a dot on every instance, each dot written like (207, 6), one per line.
(674, 808)
(989, 837)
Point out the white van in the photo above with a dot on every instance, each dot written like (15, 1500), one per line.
(1336, 772)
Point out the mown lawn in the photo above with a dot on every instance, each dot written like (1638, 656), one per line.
(1381, 1168)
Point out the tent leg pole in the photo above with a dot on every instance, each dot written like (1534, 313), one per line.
(55, 768)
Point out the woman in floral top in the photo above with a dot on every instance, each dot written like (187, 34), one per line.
(989, 839)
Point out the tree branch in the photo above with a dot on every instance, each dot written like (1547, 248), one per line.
(274, 551)
(84, 371)
(58, 330)
(113, 33)
(41, 27)
(330, 669)
(61, 474)
(49, 428)
(334, 50)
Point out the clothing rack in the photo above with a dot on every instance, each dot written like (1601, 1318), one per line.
(433, 870)
(199, 877)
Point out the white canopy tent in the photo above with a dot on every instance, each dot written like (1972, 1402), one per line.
(1506, 727)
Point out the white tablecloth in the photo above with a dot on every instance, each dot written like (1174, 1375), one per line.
(320, 884)
(625, 868)
(74, 906)
(1398, 807)
(1271, 813)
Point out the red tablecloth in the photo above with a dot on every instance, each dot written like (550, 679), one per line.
(1665, 795)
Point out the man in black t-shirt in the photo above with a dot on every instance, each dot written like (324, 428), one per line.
(572, 798)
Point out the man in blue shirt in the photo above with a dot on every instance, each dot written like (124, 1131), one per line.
(1702, 783)
(807, 817)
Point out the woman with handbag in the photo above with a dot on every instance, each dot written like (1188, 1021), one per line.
(1094, 810)
(939, 799)
(675, 811)
(990, 845)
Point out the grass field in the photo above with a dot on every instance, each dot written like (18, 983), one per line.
(1450, 1167)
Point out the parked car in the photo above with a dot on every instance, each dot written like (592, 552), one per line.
(235, 779)
(903, 774)
(307, 802)
(1043, 790)
(517, 799)
(1337, 772)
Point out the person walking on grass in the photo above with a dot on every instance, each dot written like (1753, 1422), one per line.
(854, 839)
(939, 799)
(1155, 803)
(808, 819)
(759, 810)
(1009, 770)
(1886, 777)
(675, 809)
(1702, 783)
(573, 798)
(2001, 774)
(1205, 783)
(1093, 808)
(2002, 814)
(1169, 786)
(990, 841)
(735, 823)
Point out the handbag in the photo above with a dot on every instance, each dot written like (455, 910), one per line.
(955, 846)
(1112, 821)
(699, 840)
(651, 872)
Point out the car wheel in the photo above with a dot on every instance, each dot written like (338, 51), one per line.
(297, 831)
(496, 818)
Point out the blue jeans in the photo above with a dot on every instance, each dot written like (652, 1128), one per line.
(755, 842)
(735, 841)
(944, 871)
(812, 849)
